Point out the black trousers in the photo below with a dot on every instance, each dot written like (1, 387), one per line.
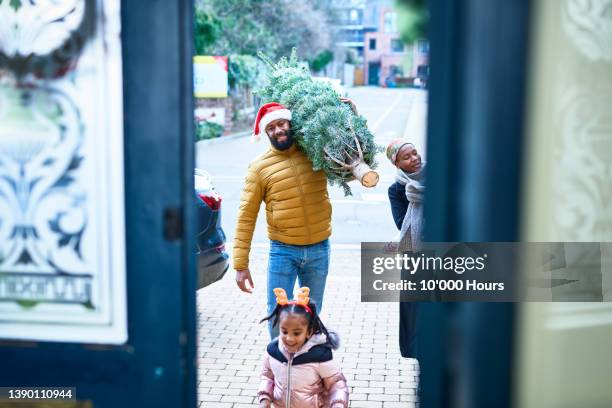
(407, 323)
(409, 313)
(407, 329)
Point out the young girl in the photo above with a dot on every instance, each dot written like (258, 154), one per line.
(298, 367)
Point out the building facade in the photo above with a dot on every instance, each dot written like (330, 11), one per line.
(387, 60)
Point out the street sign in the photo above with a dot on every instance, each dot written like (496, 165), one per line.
(210, 76)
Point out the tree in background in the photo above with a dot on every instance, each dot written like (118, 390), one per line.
(241, 28)
(246, 72)
(206, 29)
(413, 16)
(272, 26)
(320, 61)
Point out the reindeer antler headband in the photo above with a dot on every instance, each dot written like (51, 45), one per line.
(302, 298)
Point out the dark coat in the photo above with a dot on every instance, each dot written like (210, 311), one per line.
(408, 310)
(399, 203)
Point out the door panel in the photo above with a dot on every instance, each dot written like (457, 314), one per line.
(148, 169)
(373, 73)
(62, 258)
(565, 359)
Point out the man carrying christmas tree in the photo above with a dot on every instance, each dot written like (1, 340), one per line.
(298, 212)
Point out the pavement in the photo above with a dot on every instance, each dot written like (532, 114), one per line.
(232, 341)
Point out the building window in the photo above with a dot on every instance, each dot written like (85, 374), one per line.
(423, 46)
(353, 36)
(372, 43)
(397, 46)
(423, 71)
(390, 22)
(354, 15)
(396, 71)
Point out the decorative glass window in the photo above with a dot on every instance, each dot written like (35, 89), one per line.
(62, 228)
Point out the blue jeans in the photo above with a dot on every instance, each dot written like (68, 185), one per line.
(307, 263)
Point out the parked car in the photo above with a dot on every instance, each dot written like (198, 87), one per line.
(210, 241)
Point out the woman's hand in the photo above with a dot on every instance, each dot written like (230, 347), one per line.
(347, 100)
(391, 247)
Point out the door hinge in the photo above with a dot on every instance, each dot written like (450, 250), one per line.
(173, 223)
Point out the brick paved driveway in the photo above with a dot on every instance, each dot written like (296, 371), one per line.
(232, 342)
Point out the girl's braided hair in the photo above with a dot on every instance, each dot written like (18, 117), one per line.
(315, 325)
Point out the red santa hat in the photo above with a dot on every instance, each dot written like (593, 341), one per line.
(268, 113)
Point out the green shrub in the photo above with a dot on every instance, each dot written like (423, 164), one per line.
(245, 71)
(208, 130)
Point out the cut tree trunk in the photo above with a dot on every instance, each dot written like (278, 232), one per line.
(363, 173)
(355, 165)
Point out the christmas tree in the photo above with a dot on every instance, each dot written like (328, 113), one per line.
(333, 137)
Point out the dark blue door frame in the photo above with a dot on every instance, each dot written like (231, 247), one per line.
(475, 134)
(157, 366)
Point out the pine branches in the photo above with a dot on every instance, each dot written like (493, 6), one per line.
(335, 139)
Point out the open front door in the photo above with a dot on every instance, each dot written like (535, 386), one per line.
(97, 278)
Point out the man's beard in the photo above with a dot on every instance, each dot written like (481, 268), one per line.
(283, 145)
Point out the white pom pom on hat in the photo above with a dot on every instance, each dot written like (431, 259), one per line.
(268, 113)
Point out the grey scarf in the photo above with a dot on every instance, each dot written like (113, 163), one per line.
(412, 226)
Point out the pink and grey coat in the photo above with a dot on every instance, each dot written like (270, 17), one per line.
(309, 378)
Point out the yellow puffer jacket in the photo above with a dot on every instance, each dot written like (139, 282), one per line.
(298, 210)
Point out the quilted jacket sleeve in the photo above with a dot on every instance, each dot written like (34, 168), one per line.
(266, 386)
(250, 201)
(335, 384)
